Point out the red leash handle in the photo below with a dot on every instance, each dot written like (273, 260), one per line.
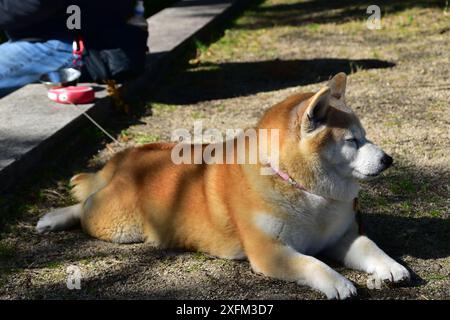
(72, 95)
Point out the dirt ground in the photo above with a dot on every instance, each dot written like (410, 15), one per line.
(399, 85)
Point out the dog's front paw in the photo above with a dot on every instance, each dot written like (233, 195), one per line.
(388, 272)
(334, 285)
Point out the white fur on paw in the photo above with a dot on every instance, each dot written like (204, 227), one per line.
(54, 220)
(334, 285)
(341, 289)
(59, 219)
(389, 272)
(47, 223)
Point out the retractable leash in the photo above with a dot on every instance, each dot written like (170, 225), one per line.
(74, 95)
(96, 124)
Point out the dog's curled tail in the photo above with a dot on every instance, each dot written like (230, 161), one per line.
(85, 184)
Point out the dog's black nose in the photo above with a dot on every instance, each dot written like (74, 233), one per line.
(387, 161)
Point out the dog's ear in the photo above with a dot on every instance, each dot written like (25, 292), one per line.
(337, 85)
(316, 111)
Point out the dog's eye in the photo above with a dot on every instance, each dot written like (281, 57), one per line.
(352, 140)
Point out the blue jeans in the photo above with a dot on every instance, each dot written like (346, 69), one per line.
(23, 62)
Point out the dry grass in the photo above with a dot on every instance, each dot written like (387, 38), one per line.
(279, 47)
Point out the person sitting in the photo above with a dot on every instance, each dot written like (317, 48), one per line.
(41, 40)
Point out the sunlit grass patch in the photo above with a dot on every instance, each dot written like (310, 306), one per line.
(139, 137)
(402, 186)
(196, 115)
(162, 107)
(143, 138)
(409, 22)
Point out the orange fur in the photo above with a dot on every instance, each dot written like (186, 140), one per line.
(141, 195)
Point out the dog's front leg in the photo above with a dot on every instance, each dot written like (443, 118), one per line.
(360, 253)
(271, 257)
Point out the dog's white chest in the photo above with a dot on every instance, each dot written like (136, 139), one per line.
(311, 224)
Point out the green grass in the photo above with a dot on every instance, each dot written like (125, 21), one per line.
(162, 107)
(435, 213)
(53, 264)
(200, 46)
(403, 185)
(197, 115)
(143, 138)
(313, 27)
(220, 107)
(368, 200)
(199, 256)
(436, 277)
(406, 206)
(139, 137)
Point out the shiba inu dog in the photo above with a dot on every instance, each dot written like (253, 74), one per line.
(277, 222)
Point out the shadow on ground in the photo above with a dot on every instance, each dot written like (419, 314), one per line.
(148, 273)
(422, 237)
(226, 80)
(324, 11)
(406, 211)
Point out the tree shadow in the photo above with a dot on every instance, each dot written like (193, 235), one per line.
(421, 237)
(406, 212)
(323, 11)
(210, 81)
(78, 250)
(396, 229)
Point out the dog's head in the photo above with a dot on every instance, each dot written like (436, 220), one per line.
(333, 144)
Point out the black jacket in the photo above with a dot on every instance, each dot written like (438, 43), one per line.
(40, 20)
(114, 49)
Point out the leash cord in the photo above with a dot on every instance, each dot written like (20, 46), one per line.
(96, 124)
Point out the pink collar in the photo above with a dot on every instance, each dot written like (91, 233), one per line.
(283, 175)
